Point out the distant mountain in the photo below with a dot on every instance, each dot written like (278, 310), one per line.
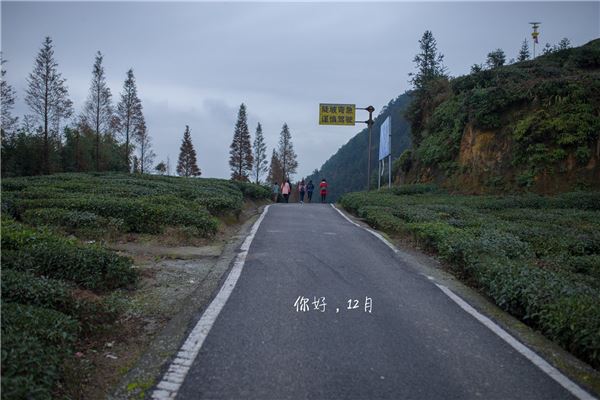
(346, 170)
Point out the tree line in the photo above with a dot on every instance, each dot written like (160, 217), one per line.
(101, 137)
(52, 138)
(249, 161)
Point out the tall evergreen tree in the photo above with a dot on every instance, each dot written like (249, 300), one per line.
(260, 153)
(146, 154)
(496, 58)
(47, 96)
(430, 70)
(130, 116)
(524, 54)
(275, 170)
(286, 153)
(429, 62)
(187, 166)
(240, 152)
(98, 112)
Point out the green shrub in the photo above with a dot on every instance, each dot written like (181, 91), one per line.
(414, 189)
(71, 221)
(43, 253)
(25, 288)
(253, 190)
(34, 343)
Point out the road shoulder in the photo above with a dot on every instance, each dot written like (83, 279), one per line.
(151, 365)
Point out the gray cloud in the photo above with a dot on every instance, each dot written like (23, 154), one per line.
(196, 62)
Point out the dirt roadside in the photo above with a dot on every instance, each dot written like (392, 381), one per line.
(126, 358)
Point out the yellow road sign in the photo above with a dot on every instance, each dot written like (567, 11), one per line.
(337, 114)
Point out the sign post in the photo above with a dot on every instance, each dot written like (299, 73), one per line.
(385, 149)
(345, 114)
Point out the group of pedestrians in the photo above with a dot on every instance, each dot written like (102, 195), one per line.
(304, 189)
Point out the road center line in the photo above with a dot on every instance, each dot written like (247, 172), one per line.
(538, 361)
(168, 387)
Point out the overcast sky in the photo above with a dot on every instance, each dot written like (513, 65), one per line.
(195, 63)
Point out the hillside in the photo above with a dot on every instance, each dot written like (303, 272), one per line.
(533, 126)
(345, 171)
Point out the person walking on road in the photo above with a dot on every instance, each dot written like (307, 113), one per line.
(286, 189)
(323, 187)
(275, 192)
(310, 188)
(301, 191)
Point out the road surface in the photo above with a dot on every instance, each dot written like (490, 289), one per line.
(415, 343)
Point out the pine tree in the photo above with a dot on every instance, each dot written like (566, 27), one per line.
(129, 113)
(146, 154)
(429, 62)
(187, 166)
(260, 153)
(275, 170)
(286, 153)
(524, 52)
(47, 96)
(240, 152)
(496, 58)
(8, 123)
(98, 111)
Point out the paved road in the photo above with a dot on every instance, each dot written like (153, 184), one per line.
(416, 343)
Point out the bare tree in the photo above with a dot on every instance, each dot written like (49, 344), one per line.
(47, 95)
(146, 155)
(129, 113)
(7, 99)
(260, 154)
(286, 154)
(98, 112)
(275, 170)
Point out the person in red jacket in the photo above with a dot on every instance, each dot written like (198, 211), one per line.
(323, 187)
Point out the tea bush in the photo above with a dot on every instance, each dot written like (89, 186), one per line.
(43, 253)
(25, 288)
(537, 257)
(128, 203)
(34, 343)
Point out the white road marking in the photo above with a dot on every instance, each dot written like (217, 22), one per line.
(538, 361)
(168, 387)
(521, 348)
(372, 232)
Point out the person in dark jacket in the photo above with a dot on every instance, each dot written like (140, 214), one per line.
(310, 188)
(301, 191)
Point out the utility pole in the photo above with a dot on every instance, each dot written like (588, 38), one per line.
(369, 123)
(535, 34)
